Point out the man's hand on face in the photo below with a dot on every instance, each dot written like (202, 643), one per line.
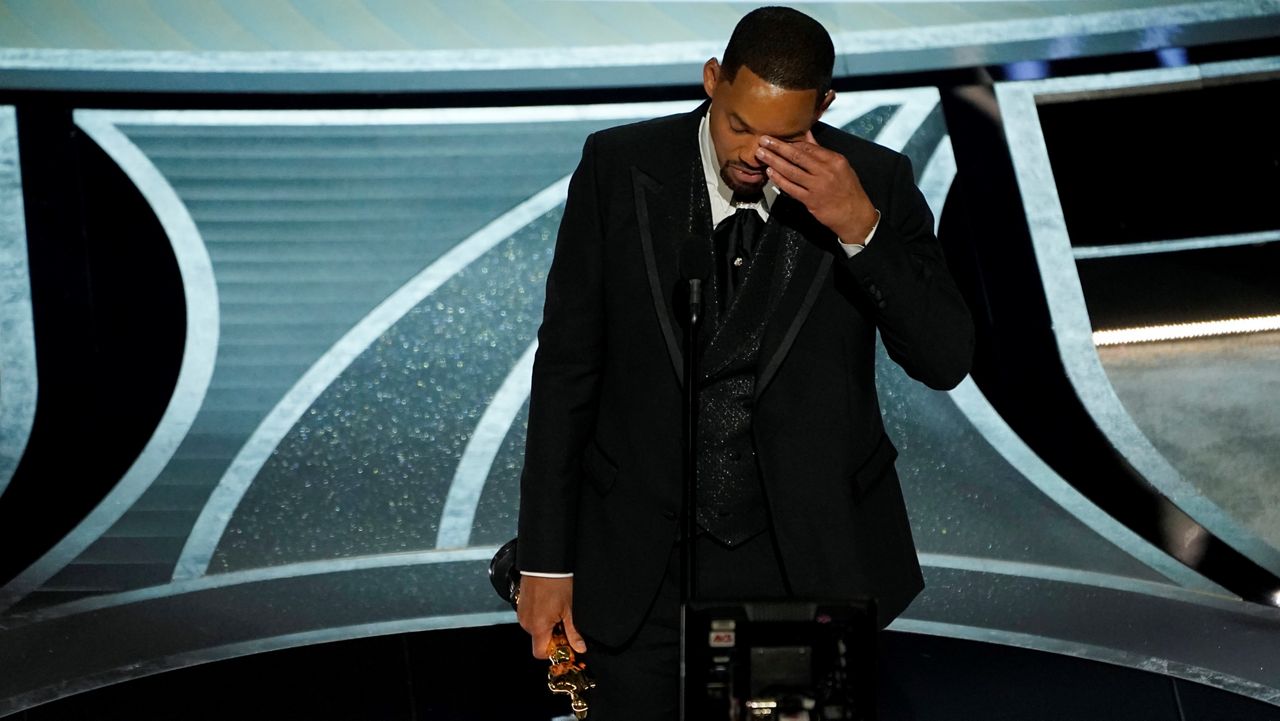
(822, 180)
(543, 603)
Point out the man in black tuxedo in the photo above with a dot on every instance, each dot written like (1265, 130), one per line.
(818, 238)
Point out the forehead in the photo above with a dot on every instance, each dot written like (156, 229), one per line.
(766, 108)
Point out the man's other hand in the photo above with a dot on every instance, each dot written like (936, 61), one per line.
(822, 180)
(543, 603)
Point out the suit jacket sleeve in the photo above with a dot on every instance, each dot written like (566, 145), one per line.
(566, 373)
(923, 320)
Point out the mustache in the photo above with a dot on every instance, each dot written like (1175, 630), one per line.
(743, 166)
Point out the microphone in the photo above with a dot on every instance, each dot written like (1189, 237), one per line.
(695, 266)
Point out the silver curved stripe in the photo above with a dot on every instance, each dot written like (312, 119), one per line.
(852, 106)
(916, 104)
(253, 575)
(484, 553)
(399, 116)
(936, 178)
(1056, 260)
(459, 512)
(18, 379)
(1022, 569)
(993, 428)
(983, 573)
(213, 520)
(1090, 652)
(850, 45)
(198, 356)
(935, 182)
(1173, 246)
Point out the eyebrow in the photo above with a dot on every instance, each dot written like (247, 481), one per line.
(747, 126)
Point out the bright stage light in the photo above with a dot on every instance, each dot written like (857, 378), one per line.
(1182, 331)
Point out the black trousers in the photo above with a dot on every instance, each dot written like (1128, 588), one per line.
(640, 680)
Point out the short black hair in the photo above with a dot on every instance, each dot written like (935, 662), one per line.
(784, 47)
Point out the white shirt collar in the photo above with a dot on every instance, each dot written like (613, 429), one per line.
(722, 205)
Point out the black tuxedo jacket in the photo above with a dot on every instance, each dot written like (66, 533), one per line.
(601, 487)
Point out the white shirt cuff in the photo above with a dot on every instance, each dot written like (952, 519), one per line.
(540, 574)
(852, 249)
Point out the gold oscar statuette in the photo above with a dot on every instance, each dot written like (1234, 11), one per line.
(567, 675)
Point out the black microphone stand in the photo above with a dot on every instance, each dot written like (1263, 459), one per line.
(688, 512)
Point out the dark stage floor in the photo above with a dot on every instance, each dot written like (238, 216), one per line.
(482, 674)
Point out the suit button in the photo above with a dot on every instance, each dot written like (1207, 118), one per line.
(669, 515)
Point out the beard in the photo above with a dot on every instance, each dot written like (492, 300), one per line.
(744, 192)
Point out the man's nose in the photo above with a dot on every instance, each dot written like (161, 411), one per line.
(750, 158)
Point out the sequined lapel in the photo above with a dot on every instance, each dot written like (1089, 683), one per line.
(669, 214)
(811, 248)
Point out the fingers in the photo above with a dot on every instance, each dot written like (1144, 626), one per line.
(544, 603)
(541, 636)
(541, 643)
(805, 154)
(799, 166)
(578, 643)
(821, 179)
(781, 166)
(540, 629)
(786, 185)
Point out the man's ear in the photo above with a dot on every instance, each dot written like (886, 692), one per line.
(826, 103)
(710, 76)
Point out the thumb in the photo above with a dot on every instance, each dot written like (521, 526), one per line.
(575, 639)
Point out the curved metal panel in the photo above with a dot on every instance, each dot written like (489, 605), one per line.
(935, 182)
(18, 379)
(253, 575)
(1203, 638)
(1232, 645)
(978, 410)
(208, 529)
(1071, 326)
(1092, 652)
(199, 353)
(201, 546)
(459, 514)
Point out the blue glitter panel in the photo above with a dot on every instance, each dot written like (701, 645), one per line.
(368, 468)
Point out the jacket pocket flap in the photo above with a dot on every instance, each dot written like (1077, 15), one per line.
(599, 469)
(876, 467)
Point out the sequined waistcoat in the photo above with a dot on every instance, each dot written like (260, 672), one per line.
(731, 501)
